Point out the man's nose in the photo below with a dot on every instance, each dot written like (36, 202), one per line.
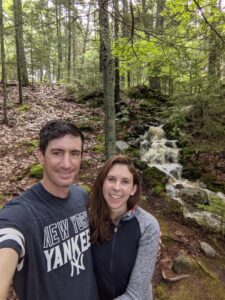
(66, 161)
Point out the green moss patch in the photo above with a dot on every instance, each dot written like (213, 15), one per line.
(36, 171)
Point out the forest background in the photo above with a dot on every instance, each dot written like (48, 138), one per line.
(153, 61)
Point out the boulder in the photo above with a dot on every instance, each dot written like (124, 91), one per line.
(122, 146)
(207, 249)
(194, 196)
(183, 264)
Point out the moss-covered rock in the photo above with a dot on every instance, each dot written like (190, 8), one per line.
(184, 263)
(154, 180)
(36, 170)
(213, 183)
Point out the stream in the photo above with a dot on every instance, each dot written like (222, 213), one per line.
(157, 151)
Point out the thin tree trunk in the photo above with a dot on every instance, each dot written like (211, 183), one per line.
(5, 119)
(59, 39)
(69, 42)
(117, 63)
(108, 86)
(18, 19)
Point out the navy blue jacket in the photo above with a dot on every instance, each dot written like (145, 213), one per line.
(125, 264)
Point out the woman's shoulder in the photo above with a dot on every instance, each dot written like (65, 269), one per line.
(146, 219)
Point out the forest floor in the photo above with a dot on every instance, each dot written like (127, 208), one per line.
(18, 151)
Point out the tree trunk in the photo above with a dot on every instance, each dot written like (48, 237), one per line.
(108, 86)
(21, 59)
(5, 119)
(69, 42)
(59, 39)
(155, 80)
(126, 34)
(117, 63)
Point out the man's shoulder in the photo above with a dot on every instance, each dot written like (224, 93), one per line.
(76, 189)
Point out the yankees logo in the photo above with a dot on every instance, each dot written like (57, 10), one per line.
(77, 263)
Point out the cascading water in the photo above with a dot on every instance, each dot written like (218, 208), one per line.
(161, 153)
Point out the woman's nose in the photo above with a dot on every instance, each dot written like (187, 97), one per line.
(116, 185)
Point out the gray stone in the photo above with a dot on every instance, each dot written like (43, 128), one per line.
(194, 196)
(207, 249)
(183, 264)
(121, 145)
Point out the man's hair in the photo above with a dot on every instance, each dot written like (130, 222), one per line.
(56, 129)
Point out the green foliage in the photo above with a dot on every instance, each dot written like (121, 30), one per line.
(23, 108)
(31, 144)
(160, 292)
(100, 138)
(86, 187)
(155, 179)
(36, 170)
(71, 89)
(99, 148)
(1, 199)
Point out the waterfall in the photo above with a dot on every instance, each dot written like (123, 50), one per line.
(157, 151)
(161, 153)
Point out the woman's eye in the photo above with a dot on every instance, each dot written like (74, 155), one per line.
(111, 179)
(125, 182)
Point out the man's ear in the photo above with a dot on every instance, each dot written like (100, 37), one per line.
(40, 157)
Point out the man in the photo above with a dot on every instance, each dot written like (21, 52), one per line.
(44, 233)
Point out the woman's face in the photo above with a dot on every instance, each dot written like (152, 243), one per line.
(118, 186)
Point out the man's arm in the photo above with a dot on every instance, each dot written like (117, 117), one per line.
(8, 262)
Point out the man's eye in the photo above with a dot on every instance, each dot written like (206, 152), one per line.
(75, 153)
(56, 153)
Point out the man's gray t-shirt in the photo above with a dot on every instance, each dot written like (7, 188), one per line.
(51, 236)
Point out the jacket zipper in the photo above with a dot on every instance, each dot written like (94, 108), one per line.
(112, 257)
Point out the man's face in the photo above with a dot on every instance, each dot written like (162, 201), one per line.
(61, 163)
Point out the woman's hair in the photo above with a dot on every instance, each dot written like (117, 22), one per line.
(99, 213)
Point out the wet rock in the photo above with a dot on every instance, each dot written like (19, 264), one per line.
(140, 129)
(183, 264)
(194, 196)
(207, 249)
(122, 146)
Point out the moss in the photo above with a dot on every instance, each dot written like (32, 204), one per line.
(204, 288)
(212, 183)
(85, 187)
(23, 108)
(99, 148)
(160, 292)
(36, 171)
(1, 200)
(100, 138)
(31, 144)
(154, 179)
(133, 152)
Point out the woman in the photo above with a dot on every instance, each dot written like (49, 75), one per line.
(124, 237)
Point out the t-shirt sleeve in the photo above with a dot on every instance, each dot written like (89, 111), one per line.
(11, 235)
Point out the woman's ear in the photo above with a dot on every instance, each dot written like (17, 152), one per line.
(134, 190)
